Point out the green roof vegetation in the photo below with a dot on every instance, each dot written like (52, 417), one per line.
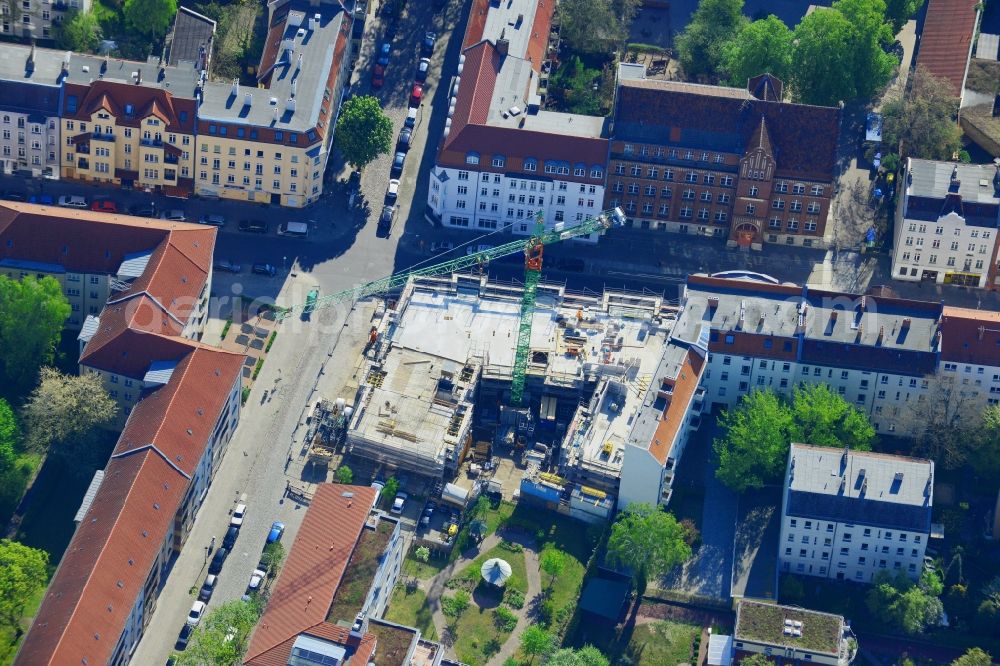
(360, 571)
(393, 643)
(765, 623)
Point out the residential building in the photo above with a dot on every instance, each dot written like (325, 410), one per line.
(270, 143)
(792, 634)
(968, 378)
(104, 591)
(29, 126)
(946, 38)
(947, 224)
(191, 40)
(739, 164)
(503, 158)
(334, 585)
(36, 19)
(849, 515)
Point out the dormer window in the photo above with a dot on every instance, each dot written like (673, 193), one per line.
(499, 161)
(129, 109)
(530, 164)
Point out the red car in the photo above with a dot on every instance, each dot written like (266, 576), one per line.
(378, 77)
(418, 92)
(104, 206)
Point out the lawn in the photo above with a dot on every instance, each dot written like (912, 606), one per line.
(518, 575)
(494, 519)
(663, 643)
(409, 608)
(423, 570)
(569, 535)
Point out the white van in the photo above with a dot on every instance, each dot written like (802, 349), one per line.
(299, 229)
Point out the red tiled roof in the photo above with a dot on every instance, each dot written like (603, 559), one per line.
(112, 553)
(359, 655)
(477, 23)
(676, 410)
(539, 40)
(946, 39)
(114, 96)
(970, 336)
(312, 571)
(132, 335)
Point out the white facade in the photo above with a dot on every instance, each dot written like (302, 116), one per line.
(28, 142)
(35, 18)
(486, 201)
(948, 250)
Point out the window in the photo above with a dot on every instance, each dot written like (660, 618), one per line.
(499, 161)
(463, 175)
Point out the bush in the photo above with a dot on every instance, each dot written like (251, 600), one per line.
(256, 370)
(244, 395)
(514, 598)
(455, 605)
(511, 546)
(270, 341)
(504, 619)
(691, 534)
(225, 329)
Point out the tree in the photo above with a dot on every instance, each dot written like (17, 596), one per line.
(764, 46)
(344, 474)
(552, 562)
(903, 604)
(821, 65)
(273, 556)
(32, 314)
(10, 436)
(391, 488)
(941, 423)
(922, 123)
(363, 131)
(150, 18)
(898, 12)
(974, 657)
(755, 445)
(223, 635)
(700, 46)
(647, 541)
(481, 508)
(596, 26)
(536, 642)
(871, 66)
(422, 554)
(23, 572)
(572, 88)
(588, 655)
(455, 605)
(756, 659)
(79, 31)
(824, 418)
(63, 411)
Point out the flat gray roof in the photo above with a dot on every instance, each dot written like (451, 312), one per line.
(930, 178)
(192, 37)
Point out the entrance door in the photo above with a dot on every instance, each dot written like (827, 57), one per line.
(276, 199)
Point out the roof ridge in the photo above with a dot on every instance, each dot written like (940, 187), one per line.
(154, 299)
(186, 361)
(153, 447)
(137, 331)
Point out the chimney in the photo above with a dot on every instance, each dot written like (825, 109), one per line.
(881, 335)
(713, 302)
(982, 331)
(503, 44)
(275, 114)
(247, 99)
(30, 65)
(66, 59)
(906, 324)
(954, 183)
(236, 88)
(138, 77)
(295, 85)
(290, 105)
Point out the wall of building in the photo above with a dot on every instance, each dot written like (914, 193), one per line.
(642, 477)
(948, 251)
(386, 575)
(789, 655)
(38, 19)
(26, 144)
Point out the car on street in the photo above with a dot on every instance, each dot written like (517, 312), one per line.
(427, 46)
(397, 163)
(212, 220)
(264, 269)
(405, 136)
(416, 94)
(440, 247)
(475, 249)
(256, 580)
(13, 196)
(43, 199)
(228, 541)
(386, 218)
(400, 502)
(422, 68)
(392, 192)
(239, 513)
(253, 226)
(174, 215)
(196, 613)
(277, 529)
(207, 588)
(378, 77)
(143, 210)
(215, 566)
(227, 266)
(296, 229)
(184, 637)
(411, 118)
(354, 181)
(72, 201)
(383, 54)
(104, 206)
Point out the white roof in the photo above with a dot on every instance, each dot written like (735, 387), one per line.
(720, 650)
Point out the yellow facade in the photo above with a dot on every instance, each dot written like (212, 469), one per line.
(87, 293)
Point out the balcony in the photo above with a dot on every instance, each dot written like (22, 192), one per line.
(83, 148)
(83, 164)
(151, 143)
(170, 159)
(169, 174)
(110, 138)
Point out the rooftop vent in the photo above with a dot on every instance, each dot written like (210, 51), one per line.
(247, 99)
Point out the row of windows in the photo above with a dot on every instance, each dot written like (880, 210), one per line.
(919, 242)
(938, 230)
(932, 259)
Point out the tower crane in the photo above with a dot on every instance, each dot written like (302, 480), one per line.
(532, 248)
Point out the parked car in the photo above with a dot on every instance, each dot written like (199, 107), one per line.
(427, 46)
(72, 201)
(207, 588)
(228, 541)
(411, 118)
(400, 502)
(184, 637)
(392, 192)
(397, 163)
(405, 135)
(253, 226)
(239, 513)
(104, 206)
(144, 210)
(174, 215)
(385, 219)
(264, 269)
(354, 181)
(196, 613)
(440, 247)
(383, 54)
(378, 77)
(43, 199)
(227, 266)
(422, 68)
(215, 566)
(416, 94)
(212, 220)
(14, 196)
(277, 530)
(256, 580)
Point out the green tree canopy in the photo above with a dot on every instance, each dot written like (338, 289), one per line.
(79, 31)
(422, 553)
(873, 67)
(536, 642)
(588, 655)
(903, 604)
(762, 47)
(898, 12)
(572, 88)
(223, 635)
(824, 418)
(10, 436)
(712, 25)
(344, 474)
(62, 413)
(755, 445)
(647, 541)
(273, 556)
(552, 562)
(23, 572)
(363, 131)
(922, 123)
(595, 26)
(32, 314)
(150, 18)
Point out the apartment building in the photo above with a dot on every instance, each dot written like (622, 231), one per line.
(947, 224)
(36, 19)
(503, 158)
(104, 591)
(29, 126)
(848, 515)
(739, 164)
(270, 143)
(791, 634)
